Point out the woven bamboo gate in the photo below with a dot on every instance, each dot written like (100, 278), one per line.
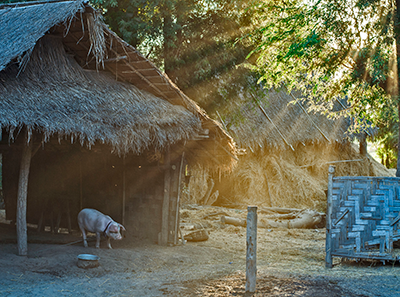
(363, 217)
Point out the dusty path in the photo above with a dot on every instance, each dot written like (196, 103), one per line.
(290, 263)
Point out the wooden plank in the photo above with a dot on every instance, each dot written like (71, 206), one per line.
(368, 255)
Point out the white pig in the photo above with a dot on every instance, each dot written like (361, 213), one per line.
(94, 221)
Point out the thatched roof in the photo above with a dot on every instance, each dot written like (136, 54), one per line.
(63, 72)
(278, 122)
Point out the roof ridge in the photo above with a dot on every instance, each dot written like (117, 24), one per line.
(29, 3)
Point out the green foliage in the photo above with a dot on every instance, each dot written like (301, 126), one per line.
(194, 42)
(388, 151)
(329, 50)
(387, 135)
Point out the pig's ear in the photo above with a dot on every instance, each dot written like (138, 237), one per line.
(123, 228)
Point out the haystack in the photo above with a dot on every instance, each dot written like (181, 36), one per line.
(288, 152)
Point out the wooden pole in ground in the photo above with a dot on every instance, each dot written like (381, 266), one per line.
(251, 244)
(80, 185)
(163, 239)
(123, 190)
(22, 236)
(178, 201)
(328, 240)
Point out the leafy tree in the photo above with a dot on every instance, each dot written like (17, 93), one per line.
(195, 42)
(333, 49)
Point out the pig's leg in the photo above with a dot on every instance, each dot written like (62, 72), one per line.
(98, 234)
(84, 236)
(109, 243)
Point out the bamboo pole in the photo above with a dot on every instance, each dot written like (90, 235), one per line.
(333, 162)
(251, 245)
(328, 242)
(228, 152)
(22, 236)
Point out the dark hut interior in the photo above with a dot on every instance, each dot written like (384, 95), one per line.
(105, 127)
(65, 178)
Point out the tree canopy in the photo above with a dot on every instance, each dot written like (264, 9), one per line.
(330, 50)
(194, 42)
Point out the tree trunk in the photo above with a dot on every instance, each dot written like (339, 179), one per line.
(22, 236)
(363, 144)
(397, 38)
(168, 35)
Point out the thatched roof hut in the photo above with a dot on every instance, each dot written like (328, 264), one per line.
(79, 79)
(286, 154)
(282, 120)
(74, 91)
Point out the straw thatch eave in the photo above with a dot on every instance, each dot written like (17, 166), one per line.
(90, 43)
(22, 25)
(54, 95)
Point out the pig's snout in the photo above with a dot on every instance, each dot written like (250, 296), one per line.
(114, 231)
(115, 236)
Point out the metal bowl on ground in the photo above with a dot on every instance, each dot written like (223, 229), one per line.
(88, 261)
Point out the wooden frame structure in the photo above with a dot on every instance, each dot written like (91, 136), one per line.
(363, 217)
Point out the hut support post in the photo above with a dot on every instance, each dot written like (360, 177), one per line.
(328, 242)
(80, 186)
(163, 239)
(123, 191)
(178, 201)
(22, 236)
(251, 244)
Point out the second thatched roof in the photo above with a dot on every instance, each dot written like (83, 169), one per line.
(282, 120)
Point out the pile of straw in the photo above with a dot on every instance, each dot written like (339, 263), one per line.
(295, 179)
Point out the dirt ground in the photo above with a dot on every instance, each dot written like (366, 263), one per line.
(290, 262)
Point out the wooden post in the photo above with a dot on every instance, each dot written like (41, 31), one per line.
(123, 191)
(22, 236)
(80, 186)
(328, 242)
(251, 244)
(165, 207)
(178, 200)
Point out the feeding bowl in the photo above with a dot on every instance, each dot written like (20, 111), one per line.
(88, 261)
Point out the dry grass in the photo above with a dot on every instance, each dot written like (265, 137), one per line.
(281, 179)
